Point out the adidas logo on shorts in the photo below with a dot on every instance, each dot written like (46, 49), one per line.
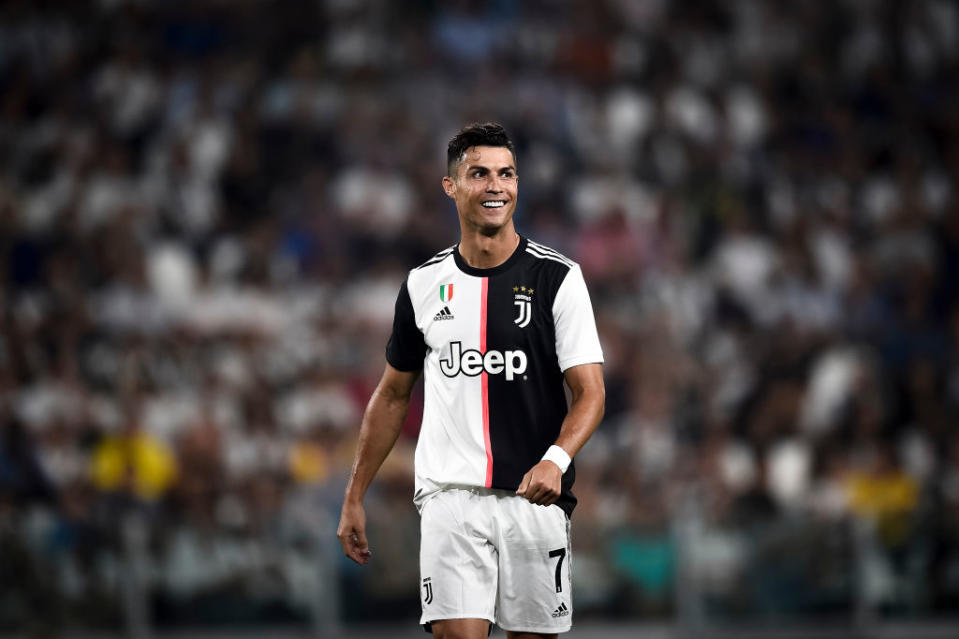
(562, 611)
(445, 314)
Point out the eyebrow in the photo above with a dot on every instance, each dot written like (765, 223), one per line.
(473, 167)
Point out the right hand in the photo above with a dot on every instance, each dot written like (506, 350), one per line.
(352, 533)
(542, 484)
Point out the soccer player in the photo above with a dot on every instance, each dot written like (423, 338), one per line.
(496, 324)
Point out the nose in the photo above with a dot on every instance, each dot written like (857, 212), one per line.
(493, 184)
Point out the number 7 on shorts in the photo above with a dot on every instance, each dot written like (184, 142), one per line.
(561, 553)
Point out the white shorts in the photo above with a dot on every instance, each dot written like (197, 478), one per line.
(489, 554)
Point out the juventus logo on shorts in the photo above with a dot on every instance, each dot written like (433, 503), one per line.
(427, 591)
(522, 298)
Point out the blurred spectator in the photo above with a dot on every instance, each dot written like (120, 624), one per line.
(132, 463)
(883, 494)
(22, 480)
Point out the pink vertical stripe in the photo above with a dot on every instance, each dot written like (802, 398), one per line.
(485, 385)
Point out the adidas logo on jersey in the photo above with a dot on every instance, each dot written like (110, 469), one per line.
(472, 362)
(562, 611)
(445, 314)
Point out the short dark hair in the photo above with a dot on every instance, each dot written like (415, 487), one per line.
(489, 134)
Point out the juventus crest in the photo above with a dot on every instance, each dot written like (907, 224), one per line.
(522, 299)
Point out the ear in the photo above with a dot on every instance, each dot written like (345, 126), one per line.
(449, 186)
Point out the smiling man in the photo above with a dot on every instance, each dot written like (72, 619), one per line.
(497, 324)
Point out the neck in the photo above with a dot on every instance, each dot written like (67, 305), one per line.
(488, 251)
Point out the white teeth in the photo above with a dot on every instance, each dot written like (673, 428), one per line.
(494, 204)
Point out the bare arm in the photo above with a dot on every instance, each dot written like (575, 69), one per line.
(382, 422)
(543, 483)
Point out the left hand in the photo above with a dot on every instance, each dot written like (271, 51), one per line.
(542, 484)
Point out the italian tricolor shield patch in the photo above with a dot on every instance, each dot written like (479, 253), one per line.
(446, 292)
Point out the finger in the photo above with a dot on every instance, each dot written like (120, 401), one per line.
(354, 554)
(545, 498)
(347, 546)
(355, 546)
(548, 499)
(359, 557)
(534, 491)
(359, 539)
(541, 494)
(361, 548)
(523, 485)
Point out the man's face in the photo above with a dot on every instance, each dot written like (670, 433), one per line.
(484, 188)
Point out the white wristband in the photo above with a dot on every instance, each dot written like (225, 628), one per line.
(558, 456)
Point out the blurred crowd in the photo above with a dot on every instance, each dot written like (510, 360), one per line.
(207, 209)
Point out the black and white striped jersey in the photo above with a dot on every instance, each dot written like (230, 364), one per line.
(493, 345)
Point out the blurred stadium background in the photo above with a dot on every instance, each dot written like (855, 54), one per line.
(206, 209)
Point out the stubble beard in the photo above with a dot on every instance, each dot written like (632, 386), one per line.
(487, 229)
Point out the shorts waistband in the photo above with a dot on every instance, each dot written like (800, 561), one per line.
(481, 490)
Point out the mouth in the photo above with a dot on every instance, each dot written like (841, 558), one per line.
(494, 204)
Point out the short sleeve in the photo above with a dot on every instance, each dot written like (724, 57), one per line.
(406, 348)
(577, 341)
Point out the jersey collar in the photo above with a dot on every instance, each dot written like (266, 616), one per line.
(486, 272)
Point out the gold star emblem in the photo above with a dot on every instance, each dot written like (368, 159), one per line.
(515, 288)
(522, 288)
(530, 291)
